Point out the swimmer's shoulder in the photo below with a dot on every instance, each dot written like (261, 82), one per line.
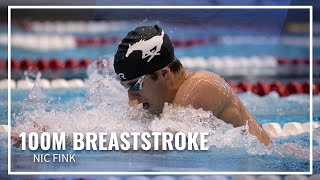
(205, 77)
(202, 89)
(196, 80)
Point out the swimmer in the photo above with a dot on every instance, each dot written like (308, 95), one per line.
(147, 67)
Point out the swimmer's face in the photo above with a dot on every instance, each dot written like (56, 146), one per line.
(152, 95)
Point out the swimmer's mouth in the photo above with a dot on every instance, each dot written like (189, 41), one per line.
(145, 105)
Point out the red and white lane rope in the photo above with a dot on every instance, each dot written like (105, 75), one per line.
(43, 42)
(64, 27)
(258, 88)
(107, 26)
(53, 64)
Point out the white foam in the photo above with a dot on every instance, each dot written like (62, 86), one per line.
(315, 125)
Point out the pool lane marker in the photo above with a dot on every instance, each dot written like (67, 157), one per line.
(44, 42)
(258, 88)
(225, 62)
(93, 27)
(274, 130)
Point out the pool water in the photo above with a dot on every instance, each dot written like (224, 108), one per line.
(102, 107)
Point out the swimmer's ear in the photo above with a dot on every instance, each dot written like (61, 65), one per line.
(165, 72)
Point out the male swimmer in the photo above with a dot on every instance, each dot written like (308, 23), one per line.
(146, 65)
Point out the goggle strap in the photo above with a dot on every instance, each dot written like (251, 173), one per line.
(140, 82)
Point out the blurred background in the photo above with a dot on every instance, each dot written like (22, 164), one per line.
(240, 45)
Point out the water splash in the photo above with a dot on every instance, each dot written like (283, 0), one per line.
(105, 109)
(36, 93)
(316, 148)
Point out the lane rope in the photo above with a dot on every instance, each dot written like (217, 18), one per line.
(45, 64)
(43, 42)
(258, 88)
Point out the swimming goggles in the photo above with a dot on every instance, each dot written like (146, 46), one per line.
(137, 85)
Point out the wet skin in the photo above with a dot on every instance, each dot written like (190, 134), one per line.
(201, 89)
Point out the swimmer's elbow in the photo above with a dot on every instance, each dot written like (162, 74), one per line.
(266, 141)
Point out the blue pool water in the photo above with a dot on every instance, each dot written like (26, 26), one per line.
(105, 109)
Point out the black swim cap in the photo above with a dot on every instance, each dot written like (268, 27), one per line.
(143, 51)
